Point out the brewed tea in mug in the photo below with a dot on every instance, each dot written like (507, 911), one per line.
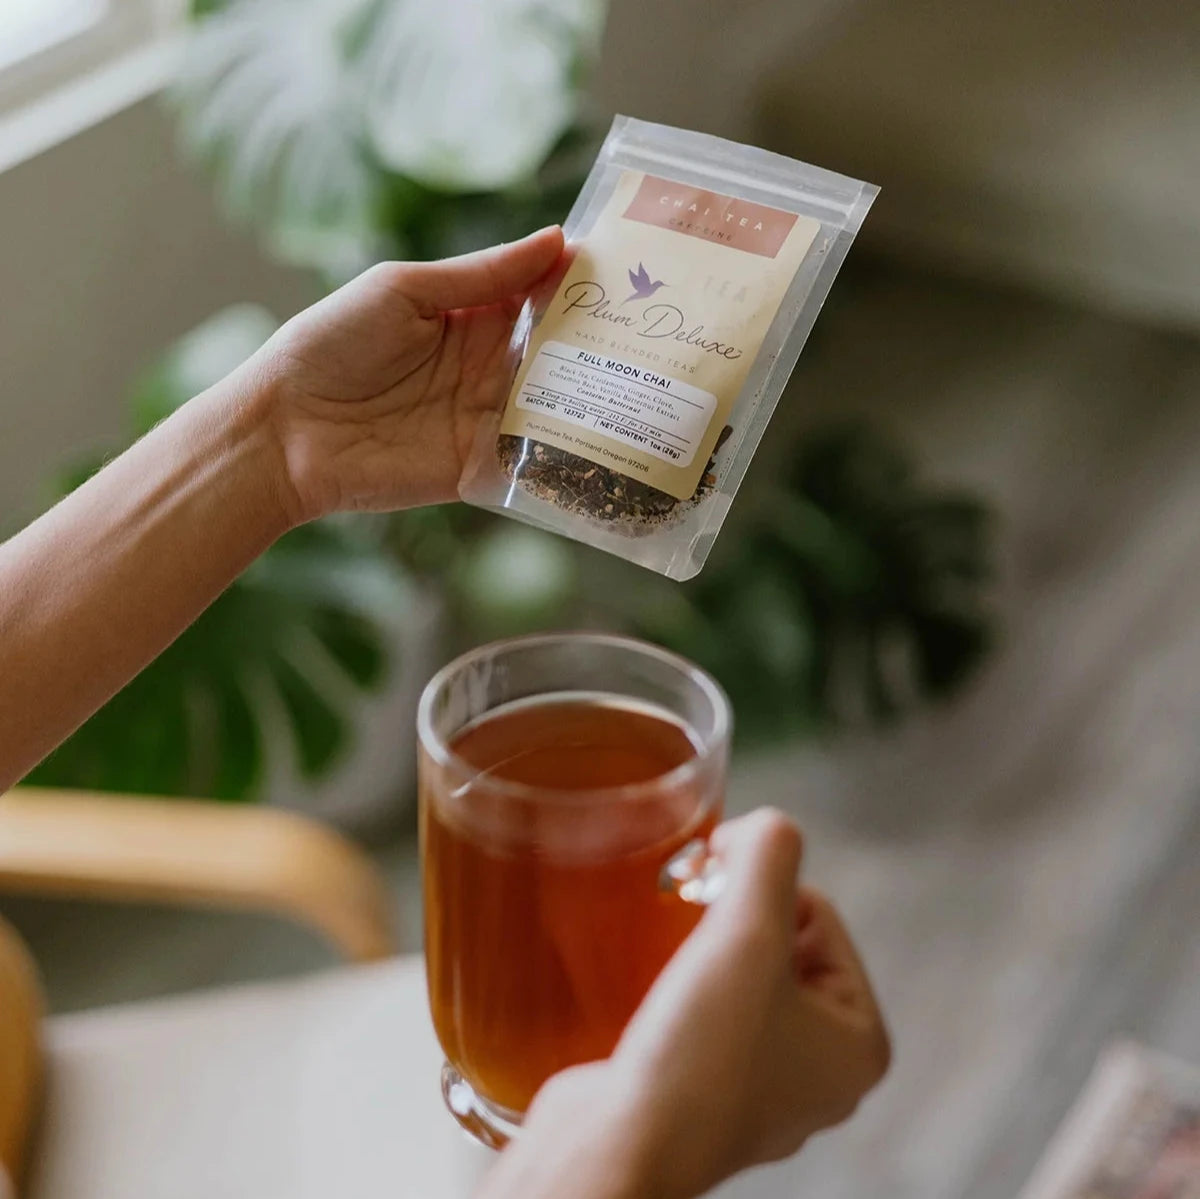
(560, 777)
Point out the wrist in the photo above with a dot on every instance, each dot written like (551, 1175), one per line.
(253, 409)
(585, 1137)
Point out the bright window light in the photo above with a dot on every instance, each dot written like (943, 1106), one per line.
(30, 26)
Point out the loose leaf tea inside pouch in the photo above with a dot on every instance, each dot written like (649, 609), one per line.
(645, 381)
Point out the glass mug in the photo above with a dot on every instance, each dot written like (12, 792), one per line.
(568, 783)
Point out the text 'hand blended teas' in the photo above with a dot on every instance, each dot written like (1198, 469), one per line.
(645, 380)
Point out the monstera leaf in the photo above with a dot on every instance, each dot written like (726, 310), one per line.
(345, 127)
(284, 650)
(274, 666)
(267, 98)
(897, 580)
(473, 96)
(853, 593)
(863, 592)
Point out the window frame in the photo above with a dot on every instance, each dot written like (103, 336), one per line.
(60, 89)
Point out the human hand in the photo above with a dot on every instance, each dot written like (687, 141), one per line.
(376, 392)
(761, 1031)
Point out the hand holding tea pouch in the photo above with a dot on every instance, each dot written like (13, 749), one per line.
(644, 383)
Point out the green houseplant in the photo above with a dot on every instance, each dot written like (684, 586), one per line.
(847, 591)
(347, 131)
(850, 592)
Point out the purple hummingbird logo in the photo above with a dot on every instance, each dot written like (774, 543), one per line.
(643, 289)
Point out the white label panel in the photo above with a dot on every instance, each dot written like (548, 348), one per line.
(633, 404)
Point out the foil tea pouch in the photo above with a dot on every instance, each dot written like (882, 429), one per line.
(647, 372)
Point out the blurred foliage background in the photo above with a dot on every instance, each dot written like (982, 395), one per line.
(843, 589)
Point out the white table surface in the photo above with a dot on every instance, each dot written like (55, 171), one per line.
(291, 1090)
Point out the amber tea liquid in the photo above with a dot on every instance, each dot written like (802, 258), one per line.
(544, 921)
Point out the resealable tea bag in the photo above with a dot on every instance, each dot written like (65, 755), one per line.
(645, 381)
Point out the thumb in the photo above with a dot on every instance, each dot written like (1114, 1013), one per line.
(485, 276)
(761, 854)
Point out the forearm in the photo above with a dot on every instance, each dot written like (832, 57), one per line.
(104, 581)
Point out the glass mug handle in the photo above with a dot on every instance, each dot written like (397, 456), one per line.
(695, 874)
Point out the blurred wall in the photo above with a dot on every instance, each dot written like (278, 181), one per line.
(1048, 144)
(109, 248)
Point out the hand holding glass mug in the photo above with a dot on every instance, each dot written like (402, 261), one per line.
(571, 788)
(761, 1031)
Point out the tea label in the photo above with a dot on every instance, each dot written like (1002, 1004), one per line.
(644, 347)
(638, 406)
